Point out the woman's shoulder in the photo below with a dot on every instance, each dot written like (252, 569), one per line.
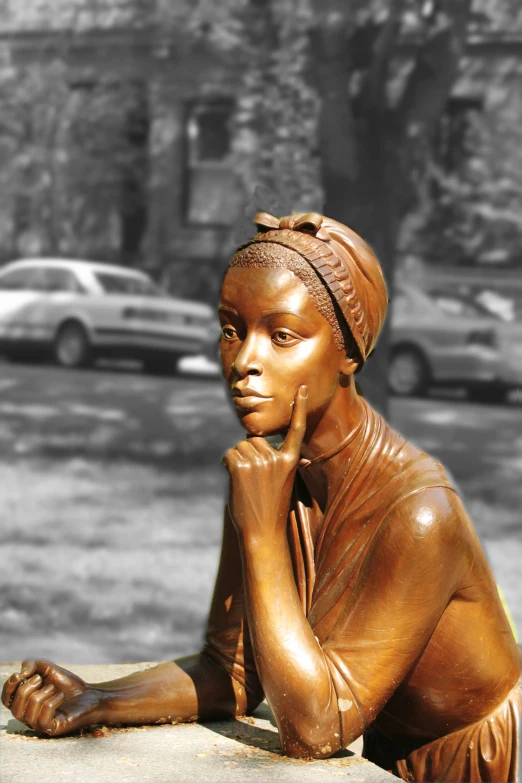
(434, 520)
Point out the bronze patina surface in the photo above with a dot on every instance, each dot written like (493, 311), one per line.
(352, 591)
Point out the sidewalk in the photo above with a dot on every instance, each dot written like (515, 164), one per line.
(223, 751)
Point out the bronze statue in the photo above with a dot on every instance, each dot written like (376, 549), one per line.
(352, 590)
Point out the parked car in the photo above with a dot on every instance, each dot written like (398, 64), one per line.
(80, 310)
(442, 337)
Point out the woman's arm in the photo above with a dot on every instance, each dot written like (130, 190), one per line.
(290, 662)
(188, 689)
(53, 701)
(324, 696)
(409, 575)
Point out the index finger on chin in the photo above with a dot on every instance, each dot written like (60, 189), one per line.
(297, 429)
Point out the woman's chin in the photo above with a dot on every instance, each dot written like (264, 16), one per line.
(260, 425)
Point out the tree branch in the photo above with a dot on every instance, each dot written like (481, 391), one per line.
(373, 92)
(436, 68)
(330, 72)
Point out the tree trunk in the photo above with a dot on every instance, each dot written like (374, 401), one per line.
(371, 202)
(134, 175)
(381, 236)
(367, 147)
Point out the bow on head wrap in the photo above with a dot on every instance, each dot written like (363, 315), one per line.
(343, 261)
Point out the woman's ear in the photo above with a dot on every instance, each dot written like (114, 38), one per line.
(348, 365)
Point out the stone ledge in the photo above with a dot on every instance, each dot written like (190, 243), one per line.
(228, 751)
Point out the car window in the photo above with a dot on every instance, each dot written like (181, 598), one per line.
(454, 305)
(53, 279)
(21, 279)
(126, 284)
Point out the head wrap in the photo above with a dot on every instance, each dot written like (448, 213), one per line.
(344, 263)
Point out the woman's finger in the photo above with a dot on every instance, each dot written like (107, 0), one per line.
(228, 461)
(27, 669)
(22, 694)
(260, 445)
(48, 722)
(232, 458)
(297, 429)
(245, 450)
(34, 704)
(9, 689)
(43, 668)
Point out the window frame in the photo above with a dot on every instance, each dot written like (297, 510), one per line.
(191, 163)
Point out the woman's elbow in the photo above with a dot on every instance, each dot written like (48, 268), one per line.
(309, 740)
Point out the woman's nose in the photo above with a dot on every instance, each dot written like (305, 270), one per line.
(247, 362)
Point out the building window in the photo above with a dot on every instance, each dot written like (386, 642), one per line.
(213, 194)
(455, 141)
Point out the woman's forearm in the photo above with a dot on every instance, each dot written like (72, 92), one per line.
(193, 688)
(289, 659)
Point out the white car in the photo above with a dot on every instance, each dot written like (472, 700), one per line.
(80, 310)
(443, 337)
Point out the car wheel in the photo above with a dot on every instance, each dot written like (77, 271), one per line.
(71, 346)
(408, 372)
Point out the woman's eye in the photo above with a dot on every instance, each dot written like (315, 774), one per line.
(283, 338)
(228, 333)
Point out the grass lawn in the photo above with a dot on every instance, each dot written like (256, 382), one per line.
(107, 561)
(115, 561)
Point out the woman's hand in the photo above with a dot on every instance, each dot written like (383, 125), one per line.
(51, 700)
(261, 478)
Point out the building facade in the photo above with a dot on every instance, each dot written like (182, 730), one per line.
(117, 135)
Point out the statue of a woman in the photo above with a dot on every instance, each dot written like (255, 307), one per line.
(352, 591)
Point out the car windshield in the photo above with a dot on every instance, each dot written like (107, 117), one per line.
(130, 285)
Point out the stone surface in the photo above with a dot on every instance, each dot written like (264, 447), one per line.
(242, 750)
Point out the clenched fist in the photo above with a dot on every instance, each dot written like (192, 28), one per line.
(51, 700)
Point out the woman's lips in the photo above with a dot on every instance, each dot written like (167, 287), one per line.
(247, 398)
(249, 401)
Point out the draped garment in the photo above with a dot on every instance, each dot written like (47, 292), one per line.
(396, 588)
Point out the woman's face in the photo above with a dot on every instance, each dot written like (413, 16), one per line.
(273, 340)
